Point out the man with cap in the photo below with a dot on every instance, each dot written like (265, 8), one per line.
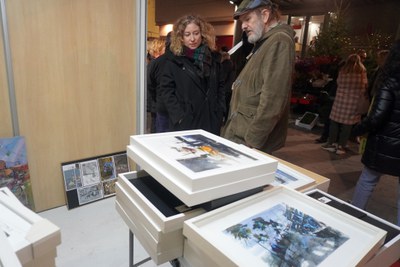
(260, 105)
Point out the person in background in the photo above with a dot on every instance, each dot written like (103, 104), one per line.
(228, 76)
(351, 83)
(191, 87)
(154, 73)
(382, 126)
(380, 61)
(155, 49)
(259, 109)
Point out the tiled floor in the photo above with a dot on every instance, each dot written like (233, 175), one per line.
(95, 235)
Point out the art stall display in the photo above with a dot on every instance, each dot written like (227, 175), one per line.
(32, 239)
(89, 180)
(14, 169)
(197, 166)
(281, 227)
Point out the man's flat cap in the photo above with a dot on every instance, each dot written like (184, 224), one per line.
(248, 5)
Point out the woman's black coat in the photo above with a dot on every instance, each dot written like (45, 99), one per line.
(192, 102)
(382, 124)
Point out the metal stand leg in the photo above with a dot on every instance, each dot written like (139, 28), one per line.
(132, 252)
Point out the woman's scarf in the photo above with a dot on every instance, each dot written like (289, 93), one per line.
(202, 59)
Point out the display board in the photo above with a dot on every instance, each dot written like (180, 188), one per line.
(91, 179)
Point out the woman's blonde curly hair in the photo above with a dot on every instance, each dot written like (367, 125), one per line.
(206, 30)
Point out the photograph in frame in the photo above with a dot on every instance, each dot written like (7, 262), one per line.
(219, 231)
(291, 178)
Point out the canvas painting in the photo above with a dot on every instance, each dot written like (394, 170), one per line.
(285, 236)
(14, 169)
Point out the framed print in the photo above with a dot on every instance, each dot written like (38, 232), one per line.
(90, 172)
(90, 193)
(291, 178)
(106, 168)
(198, 163)
(283, 227)
(92, 179)
(121, 163)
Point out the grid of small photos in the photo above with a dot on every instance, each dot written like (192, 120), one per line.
(92, 179)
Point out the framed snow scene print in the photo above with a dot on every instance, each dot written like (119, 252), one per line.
(291, 178)
(283, 227)
(198, 166)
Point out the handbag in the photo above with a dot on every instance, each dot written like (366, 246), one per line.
(363, 104)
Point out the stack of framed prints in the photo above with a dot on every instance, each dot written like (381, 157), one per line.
(279, 227)
(32, 239)
(197, 166)
(92, 179)
(153, 214)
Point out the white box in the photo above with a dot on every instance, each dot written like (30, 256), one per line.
(197, 166)
(282, 222)
(307, 121)
(146, 208)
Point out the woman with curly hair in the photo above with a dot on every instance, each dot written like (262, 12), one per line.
(191, 87)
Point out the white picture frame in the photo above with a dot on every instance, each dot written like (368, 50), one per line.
(30, 236)
(291, 178)
(359, 241)
(198, 166)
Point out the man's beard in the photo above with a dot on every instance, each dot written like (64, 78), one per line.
(256, 33)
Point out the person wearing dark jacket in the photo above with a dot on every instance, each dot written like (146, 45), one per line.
(382, 126)
(192, 88)
(154, 73)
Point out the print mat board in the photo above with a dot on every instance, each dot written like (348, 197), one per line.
(198, 163)
(287, 227)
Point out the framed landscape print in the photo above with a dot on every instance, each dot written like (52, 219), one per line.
(198, 166)
(291, 178)
(283, 227)
(92, 179)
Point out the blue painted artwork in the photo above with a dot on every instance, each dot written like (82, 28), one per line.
(285, 236)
